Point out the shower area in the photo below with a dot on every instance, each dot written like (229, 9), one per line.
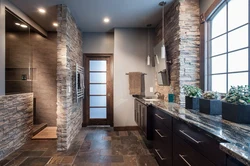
(30, 66)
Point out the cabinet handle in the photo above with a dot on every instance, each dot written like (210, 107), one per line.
(157, 151)
(190, 137)
(159, 116)
(182, 157)
(157, 131)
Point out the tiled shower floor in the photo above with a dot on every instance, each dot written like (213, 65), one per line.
(91, 147)
(46, 133)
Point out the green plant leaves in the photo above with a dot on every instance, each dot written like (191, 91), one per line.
(192, 91)
(238, 95)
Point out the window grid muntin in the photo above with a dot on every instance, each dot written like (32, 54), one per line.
(209, 60)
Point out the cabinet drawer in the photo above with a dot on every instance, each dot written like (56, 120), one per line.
(185, 155)
(163, 145)
(202, 143)
(164, 118)
(233, 162)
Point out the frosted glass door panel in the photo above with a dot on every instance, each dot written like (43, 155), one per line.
(98, 101)
(98, 78)
(219, 83)
(98, 113)
(98, 89)
(98, 65)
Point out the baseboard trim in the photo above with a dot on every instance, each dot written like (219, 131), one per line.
(126, 128)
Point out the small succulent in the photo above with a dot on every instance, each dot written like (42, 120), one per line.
(238, 95)
(192, 91)
(211, 95)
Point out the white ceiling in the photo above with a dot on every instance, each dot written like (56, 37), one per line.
(89, 14)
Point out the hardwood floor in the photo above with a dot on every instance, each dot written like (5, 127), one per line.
(91, 147)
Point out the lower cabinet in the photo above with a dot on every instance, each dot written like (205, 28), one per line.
(162, 138)
(143, 118)
(185, 155)
(178, 144)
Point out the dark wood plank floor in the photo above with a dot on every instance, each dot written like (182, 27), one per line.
(91, 147)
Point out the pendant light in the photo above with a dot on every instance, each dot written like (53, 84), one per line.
(163, 50)
(148, 57)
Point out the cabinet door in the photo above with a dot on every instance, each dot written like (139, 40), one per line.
(144, 118)
(136, 111)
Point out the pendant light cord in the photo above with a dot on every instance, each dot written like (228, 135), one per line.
(163, 24)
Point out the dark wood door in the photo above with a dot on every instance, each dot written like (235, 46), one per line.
(99, 90)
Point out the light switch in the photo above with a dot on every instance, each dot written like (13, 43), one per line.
(151, 89)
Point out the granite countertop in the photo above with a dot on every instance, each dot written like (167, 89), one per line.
(235, 137)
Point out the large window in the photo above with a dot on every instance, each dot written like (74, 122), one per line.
(228, 41)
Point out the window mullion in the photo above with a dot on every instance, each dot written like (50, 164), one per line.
(248, 42)
(227, 47)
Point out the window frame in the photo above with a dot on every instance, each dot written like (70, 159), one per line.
(208, 48)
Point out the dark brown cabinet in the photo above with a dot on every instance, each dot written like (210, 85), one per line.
(162, 138)
(143, 118)
(178, 143)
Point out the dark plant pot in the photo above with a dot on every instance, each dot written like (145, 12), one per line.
(191, 103)
(211, 107)
(236, 113)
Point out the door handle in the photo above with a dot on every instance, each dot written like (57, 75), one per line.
(157, 151)
(157, 131)
(159, 117)
(183, 158)
(194, 140)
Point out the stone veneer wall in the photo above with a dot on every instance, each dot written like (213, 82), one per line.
(69, 52)
(16, 121)
(182, 40)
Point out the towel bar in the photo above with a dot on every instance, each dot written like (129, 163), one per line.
(142, 73)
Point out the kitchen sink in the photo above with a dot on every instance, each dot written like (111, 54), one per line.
(151, 98)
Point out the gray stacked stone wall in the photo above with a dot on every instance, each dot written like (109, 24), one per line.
(182, 41)
(16, 122)
(69, 52)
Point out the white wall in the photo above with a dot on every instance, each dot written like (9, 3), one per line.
(130, 53)
(205, 4)
(98, 42)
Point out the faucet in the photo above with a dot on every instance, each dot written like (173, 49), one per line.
(159, 95)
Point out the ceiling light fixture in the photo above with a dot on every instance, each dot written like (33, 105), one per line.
(24, 26)
(18, 24)
(55, 24)
(42, 10)
(163, 50)
(149, 56)
(106, 20)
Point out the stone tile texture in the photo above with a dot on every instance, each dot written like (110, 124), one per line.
(16, 120)
(125, 148)
(69, 53)
(182, 41)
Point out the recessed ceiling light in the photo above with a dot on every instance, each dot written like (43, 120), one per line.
(17, 23)
(42, 10)
(55, 24)
(23, 26)
(106, 20)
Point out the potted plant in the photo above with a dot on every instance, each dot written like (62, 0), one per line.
(236, 105)
(192, 95)
(210, 103)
